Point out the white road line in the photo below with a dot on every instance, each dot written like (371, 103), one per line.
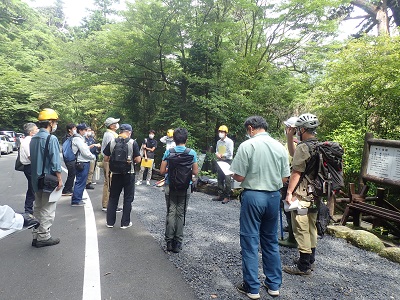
(91, 279)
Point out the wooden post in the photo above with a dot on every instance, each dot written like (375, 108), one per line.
(364, 162)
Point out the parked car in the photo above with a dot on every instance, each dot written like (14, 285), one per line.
(20, 137)
(6, 146)
(14, 138)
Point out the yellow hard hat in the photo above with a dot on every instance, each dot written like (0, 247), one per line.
(170, 133)
(48, 114)
(223, 128)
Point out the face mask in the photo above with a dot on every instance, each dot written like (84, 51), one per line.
(74, 131)
(85, 134)
(88, 133)
(221, 135)
(117, 126)
(151, 136)
(54, 128)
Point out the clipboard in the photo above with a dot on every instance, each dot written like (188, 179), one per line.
(148, 163)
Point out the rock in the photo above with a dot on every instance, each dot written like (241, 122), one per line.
(339, 231)
(365, 240)
(391, 253)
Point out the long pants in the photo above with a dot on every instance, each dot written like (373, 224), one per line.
(30, 194)
(305, 231)
(69, 183)
(91, 171)
(106, 187)
(45, 212)
(80, 183)
(177, 202)
(259, 214)
(119, 182)
(224, 183)
(149, 173)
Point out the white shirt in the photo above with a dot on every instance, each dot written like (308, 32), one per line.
(24, 152)
(169, 142)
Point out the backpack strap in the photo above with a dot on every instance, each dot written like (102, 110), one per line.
(112, 144)
(130, 148)
(187, 150)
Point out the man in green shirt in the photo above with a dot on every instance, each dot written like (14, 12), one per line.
(261, 165)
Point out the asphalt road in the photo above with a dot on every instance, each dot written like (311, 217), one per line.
(91, 261)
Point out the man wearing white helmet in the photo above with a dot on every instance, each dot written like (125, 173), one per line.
(303, 219)
(110, 134)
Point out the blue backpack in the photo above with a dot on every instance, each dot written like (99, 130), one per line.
(68, 154)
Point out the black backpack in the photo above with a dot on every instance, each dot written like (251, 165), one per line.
(121, 155)
(179, 169)
(325, 167)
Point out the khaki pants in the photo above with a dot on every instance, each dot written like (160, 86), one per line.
(91, 171)
(45, 212)
(106, 187)
(305, 230)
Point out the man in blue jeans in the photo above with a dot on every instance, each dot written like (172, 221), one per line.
(261, 165)
(83, 158)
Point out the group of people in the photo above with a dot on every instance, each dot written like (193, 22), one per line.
(261, 165)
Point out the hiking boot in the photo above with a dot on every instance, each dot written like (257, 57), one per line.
(312, 266)
(225, 201)
(139, 182)
(177, 247)
(50, 242)
(80, 203)
(89, 186)
(288, 243)
(104, 209)
(30, 221)
(148, 182)
(170, 245)
(294, 270)
(216, 199)
(273, 293)
(126, 226)
(244, 289)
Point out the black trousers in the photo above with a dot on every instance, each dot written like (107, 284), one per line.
(30, 194)
(119, 182)
(68, 186)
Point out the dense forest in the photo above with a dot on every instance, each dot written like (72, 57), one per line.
(203, 63)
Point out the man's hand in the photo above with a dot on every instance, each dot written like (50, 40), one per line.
(289, 198)
(60, 185)
(219, 156)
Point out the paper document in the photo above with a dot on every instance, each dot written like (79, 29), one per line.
(55, 195)
(224, 166)
(293, 206)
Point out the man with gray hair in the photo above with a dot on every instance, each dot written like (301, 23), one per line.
(261, 165)
(25, 157)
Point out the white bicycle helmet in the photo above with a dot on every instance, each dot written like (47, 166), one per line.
(307, 121)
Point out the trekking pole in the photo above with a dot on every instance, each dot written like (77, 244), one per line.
(281, 221)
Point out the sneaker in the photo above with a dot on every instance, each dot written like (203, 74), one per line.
(126, 226)
(89, 186)
(216, 199)
(104, 209)
(66, 194)
(269, 291)
(287, 243)
(170, 245)
(119, 209)
(148, 182)
(244, 289)
(294, 270)
(80, 203)
(296, 261)
(109, 226)
(49, 242)
(139, 182)
(225, 201)
(30, 221)
(93, 183)
(177, 247)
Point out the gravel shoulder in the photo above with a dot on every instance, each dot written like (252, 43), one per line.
(211, 263)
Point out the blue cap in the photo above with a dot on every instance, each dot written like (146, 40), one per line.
(82, 126)
(125, 127)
